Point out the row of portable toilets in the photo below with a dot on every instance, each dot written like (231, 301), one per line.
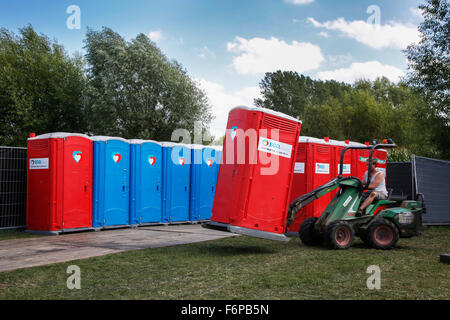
(77, 182)
(249, 201)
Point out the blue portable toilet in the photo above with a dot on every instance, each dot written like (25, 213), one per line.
(218, 159)
(204, 171)
(145, 182)
(176, 182)
(111, 171)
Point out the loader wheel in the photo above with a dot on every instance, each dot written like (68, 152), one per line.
(308, 234)
(383, 234)
(339, 235)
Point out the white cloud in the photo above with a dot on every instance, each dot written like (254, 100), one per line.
(393, 34)
(155, 36)
(362, 70)
(323, 34)
(222, 102)
(205, 53)
(259, 55)
(340, 59)
(299, 2)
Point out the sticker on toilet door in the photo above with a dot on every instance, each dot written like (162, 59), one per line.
(299, 167)
(275, 147)
(77, 156)
(38, 163)
(346, 168)
(322, 168)
(116, 157)
(151, 160)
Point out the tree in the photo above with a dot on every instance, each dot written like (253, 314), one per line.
(40, 87)
(359, 112)
(136, 92)
(429, 66)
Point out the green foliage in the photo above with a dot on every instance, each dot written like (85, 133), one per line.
(429, 66)
(359, 112)
(128, 89)
(399, 155)
(40, 87)
(136, 92)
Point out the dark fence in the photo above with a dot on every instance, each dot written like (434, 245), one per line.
(399, 178)
(13, 187)
(432, 179)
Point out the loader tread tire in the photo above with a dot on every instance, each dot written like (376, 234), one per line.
(308, 235)
(383, 234)
(339, 235)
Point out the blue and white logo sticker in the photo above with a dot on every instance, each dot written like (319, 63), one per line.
(38, 163)
(233, 132)
(275, 147)
(322, 168)
(76, 155)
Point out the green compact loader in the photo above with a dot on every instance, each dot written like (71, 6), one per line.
(380, 225)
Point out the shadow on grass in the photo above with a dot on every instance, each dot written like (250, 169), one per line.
(228, 250)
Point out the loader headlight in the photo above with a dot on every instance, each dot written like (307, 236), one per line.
(406, 218)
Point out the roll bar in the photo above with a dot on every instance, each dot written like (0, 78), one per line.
(376, 145)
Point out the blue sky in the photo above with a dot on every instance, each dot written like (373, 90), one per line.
(227, 45)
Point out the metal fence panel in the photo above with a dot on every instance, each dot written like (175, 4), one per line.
(399, 177)
(13, 187)
(433, 180)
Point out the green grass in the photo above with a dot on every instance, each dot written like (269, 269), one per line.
(15, 234)
(247, 268)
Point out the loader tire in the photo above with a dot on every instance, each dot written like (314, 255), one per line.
(383, 234)
(339, 235)
(308, 234)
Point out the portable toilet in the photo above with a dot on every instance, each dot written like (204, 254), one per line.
(111, 182)
(59, 182)
(218, 159)
(313, 168)
(255, 176)
(359, 159)
(381, 156)
(176, 182)
(203, 181)
(337, 148)
(145, 182)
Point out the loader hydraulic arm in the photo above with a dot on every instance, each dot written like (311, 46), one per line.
(309, 197)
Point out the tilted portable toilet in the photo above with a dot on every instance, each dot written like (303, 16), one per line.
(59, 182)
(313, 168)
(176, 182)
(252, 193)
(204, 169)
(218, 159)
(111, 182)
(145, 182)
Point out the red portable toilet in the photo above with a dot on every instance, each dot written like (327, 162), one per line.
(59, 182)
(337, 147)
(359, 158)
(255, 176)
(313, 168)
(381, 156)
(336, 150)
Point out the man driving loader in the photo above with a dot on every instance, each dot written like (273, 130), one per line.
(377, 185)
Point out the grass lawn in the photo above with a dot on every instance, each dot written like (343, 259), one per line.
(247, 268)
(15, 234)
